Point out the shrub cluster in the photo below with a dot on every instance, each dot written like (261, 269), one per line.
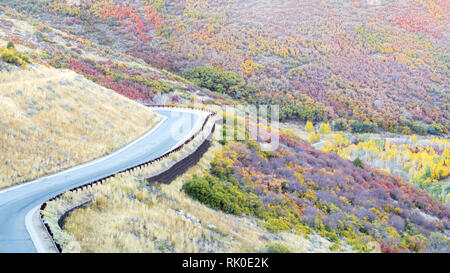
(277, 248)
(414, 126)
(12, 56)
(358, 163)
(340, 125)
(221, 194)
(213, 79)
(363, 127)
(301, 189)
(435, 129)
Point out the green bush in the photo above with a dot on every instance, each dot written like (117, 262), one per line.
(10, 45)
(358, 163)
(221, 195)
(304, 109)
(435, 129)
(215, 80)
(363, 127)
(12, 56)
(416, 127)
(340, 125)
(277, 248)
(243, 91)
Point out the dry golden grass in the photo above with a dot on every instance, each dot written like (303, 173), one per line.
(54, 119)
(126, 215)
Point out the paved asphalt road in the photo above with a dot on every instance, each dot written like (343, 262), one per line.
(16, 202)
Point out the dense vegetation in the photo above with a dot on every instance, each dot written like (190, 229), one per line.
(385, 62)
(350, 66)
(363, 127)
(215, 80)
(121, 72)
(425, 163)
(301, 189)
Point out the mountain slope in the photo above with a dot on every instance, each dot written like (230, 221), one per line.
(380, 61)
(54, 119)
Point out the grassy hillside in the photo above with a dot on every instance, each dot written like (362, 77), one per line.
(382, 61)
(54, 119)
(372, 64)
(301, 189)
(53, 45)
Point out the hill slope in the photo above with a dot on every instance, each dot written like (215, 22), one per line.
(54, 119)
(381, 61)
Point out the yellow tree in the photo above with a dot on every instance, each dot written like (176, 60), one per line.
(249, 67)
(309, 126)
(324, 128)
(314, 137)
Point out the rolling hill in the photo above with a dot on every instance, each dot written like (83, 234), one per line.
(354, 66)
(54, 119)
(381, 61)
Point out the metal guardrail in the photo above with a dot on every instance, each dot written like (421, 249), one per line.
(128, 170)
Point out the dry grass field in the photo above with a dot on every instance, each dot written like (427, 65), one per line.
(54, 119)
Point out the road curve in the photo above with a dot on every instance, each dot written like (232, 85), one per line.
(15, 202)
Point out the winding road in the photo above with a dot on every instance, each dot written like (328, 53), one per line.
(16, 202)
